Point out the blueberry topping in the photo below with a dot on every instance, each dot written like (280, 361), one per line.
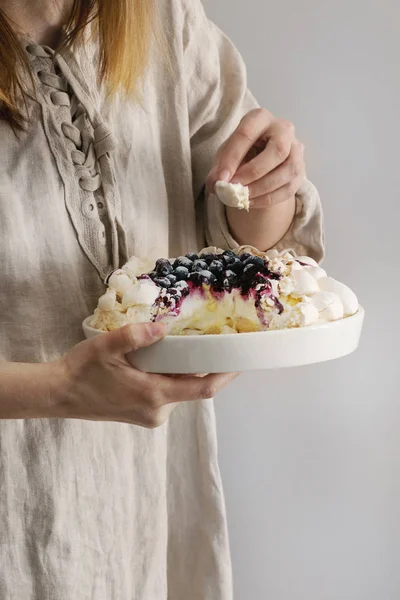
(191, 256)
(216, 267)
(200, 265)
(206, 277)
(220, 271)
(181, 273)
(163, 282)
(163, 267)
(183, 261)
(172, 279)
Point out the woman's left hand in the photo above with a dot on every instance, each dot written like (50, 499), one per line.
(264, 154)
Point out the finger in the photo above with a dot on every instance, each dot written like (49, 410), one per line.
(291, 169)
(253, 126)
(212, 177)
(277, 150)
(131, 338)
(282, 195)
(191, 388)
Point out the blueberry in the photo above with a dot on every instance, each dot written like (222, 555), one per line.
(237, 266)
(191, 256)
(163, 282)
(208, 257)
(163, 267)
(228, 253)
(255, 260)
(183, 261)
(172, 279)
(195, 278)
(181, 273)
(152, 275)
(216, 267)
(175, 293)
(182, 287)
(245, 256)
(206, 277)
(250, 271)
(200, 265)
(230, 279)
(160, 262)
(230, 275)
(229, 257)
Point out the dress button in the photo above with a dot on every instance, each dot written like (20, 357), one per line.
(89, 209)
(101, 208)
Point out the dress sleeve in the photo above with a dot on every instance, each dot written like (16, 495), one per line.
(218, 97)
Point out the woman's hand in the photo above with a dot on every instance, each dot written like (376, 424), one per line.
(99, 384)
(264, 154)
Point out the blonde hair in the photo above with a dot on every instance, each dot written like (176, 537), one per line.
(124, 29)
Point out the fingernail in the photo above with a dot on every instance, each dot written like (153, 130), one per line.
(156, 330)
(224, 175)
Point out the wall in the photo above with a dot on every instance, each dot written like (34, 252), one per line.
(311, 457)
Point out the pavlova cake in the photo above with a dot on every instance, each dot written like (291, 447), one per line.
(223, 292)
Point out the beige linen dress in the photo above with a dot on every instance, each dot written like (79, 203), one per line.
(108, 511)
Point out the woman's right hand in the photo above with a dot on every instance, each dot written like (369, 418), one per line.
(99, 384)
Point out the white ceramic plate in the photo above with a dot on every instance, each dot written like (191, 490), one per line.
(247, 351)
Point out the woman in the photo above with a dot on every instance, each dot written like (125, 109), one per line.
(105, 149)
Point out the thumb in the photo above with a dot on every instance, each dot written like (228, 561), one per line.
(132, 337)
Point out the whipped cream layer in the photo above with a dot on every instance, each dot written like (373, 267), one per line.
(217, 291)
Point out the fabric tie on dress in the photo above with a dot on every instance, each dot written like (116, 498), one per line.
(93, 168)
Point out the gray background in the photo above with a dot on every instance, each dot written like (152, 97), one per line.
(311, 457)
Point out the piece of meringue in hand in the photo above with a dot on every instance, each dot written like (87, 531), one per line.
(235, 195)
